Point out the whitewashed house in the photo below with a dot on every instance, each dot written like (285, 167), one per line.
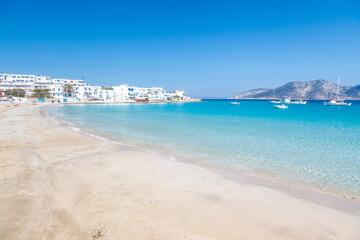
(106, 95)
(157, 93)
(125, 93)
(80, 91)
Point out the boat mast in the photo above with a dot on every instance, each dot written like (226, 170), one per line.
(338, 88)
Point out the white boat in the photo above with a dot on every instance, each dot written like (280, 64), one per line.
(274, 100)
(337, 101)
(299, 102)
(287, 100)
(281, 106)
(235, 103)
(334, 102)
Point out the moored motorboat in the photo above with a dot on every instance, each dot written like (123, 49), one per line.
(299, 102)
(235, 103)
(287, 100)
(281, 106)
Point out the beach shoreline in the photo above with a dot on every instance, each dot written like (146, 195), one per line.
(340, 201)
(95, 188)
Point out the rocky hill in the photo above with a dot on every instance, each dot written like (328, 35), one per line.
(312, 90)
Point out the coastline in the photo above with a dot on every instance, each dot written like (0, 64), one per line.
(264, 178)
(91, 187)
(306, 99)
(338, 200)
(193, 100)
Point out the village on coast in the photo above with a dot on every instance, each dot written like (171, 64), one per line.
(20, 87)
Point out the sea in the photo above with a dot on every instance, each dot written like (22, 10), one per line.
(312, 146)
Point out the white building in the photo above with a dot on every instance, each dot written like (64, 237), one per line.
(125, 93)
(21, 81)
(130, 93)
(62, 81)
(106, 95)
(157, 93)
(58, 85)
(82, 93)
(79, 93)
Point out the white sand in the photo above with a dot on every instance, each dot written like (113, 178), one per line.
(56, 183)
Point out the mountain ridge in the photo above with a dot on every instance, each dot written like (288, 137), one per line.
(311, 90)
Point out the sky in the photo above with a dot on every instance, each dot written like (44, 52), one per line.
(209, 49)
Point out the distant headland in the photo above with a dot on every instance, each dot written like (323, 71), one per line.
(311, 90)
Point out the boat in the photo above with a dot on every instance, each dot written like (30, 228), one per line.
(281, 106)
(337, 101)
(299, 102)
(334, 102)
(235, 103)
(274, 100)
(287, 100)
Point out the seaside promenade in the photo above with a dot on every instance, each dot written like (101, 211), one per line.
(57, 183)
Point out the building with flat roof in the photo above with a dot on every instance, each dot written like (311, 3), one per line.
(23, 81)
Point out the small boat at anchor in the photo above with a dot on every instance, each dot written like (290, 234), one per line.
(334, 102)
(337, 101)
(235, 103)
(280, 106)
(274, 99)
(289, 101)
(299, 102)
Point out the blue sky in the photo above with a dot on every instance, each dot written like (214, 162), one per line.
(207, 48)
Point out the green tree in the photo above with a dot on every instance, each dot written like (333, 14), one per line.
(15, 92)
(106, 88)
(41, 93)
(68, 89)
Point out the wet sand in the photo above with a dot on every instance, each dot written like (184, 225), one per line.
(56, 183)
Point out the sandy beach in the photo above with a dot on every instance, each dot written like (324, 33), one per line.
(57, 183)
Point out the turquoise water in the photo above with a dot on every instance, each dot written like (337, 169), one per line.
(308, 145)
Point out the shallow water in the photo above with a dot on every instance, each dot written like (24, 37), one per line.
(307, 145)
